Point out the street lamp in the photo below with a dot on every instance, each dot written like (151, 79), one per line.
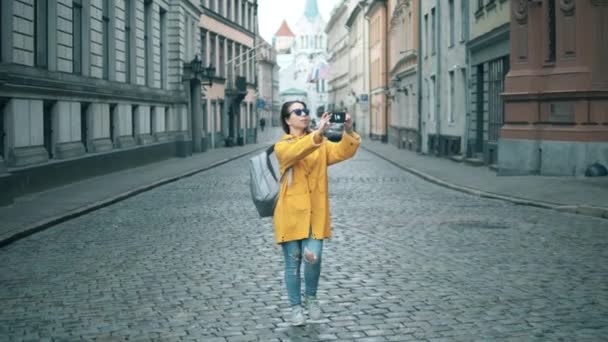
(206, 73)
(200, 76)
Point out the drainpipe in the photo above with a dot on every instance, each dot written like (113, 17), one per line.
(386, 65)
(438, 77)
(467, 93)
(420, 59)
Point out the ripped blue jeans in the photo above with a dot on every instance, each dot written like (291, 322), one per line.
(308, 250)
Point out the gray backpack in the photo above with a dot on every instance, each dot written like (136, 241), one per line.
(264, 183)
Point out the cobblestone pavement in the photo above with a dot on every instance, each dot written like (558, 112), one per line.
(409, 261)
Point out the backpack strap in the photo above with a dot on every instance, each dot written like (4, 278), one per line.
(269, 151)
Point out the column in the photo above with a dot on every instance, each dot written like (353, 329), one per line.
(197, 124)
(98, 124)
(25, 133)
(123, 126)
(159, 124)
(141, 121)
(66, 130)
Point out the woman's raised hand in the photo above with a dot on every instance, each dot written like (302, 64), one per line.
(324, 122)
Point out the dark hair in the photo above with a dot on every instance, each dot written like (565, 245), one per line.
(285, 113)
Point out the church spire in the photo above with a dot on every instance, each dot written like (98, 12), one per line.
(312, 10)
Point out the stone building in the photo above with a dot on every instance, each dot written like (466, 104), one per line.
(488, 49)
(377, 17)
(358, 67)
(403, 73)
(442, 62)
(229, 36)
(556, 92)
(268, 95)
(91, 86)
(339, 92)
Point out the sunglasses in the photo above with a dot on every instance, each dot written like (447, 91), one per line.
(299, 111)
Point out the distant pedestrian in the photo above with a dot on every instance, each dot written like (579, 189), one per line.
(262, 123)
(301, 216)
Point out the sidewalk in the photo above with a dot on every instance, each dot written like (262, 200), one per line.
(586, 196)
(35, 212)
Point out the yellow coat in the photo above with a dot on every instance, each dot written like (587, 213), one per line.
(303, 199)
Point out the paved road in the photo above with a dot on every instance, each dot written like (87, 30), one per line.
(409, 261)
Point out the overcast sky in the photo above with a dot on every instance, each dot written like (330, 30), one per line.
(272, 12)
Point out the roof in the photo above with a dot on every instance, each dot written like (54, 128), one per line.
(284, 30)
(294, 91)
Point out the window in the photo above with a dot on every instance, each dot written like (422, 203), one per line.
(134, 121)
(250, 18)
(237, 7)
(237, 55)
(212, 5)
(2, 132)
(432, 102)
(551, 30)
(204, 47)
(452, 24)
(426, 35)
(452, 98)
(84, 125)
(229, 9)
(113, 114)
(433, 28)
(47, 127)
(410, 30)
(41, 33)
(242, 17)
(230, 61)
(212, 56)
(152, 119)
(163, 48)
(463, 26)
(222, 68)
(77, 37)
(148, 43)
(106, 39)
(220, 7)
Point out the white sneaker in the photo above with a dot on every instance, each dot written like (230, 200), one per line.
(297, 316)
(314, 309)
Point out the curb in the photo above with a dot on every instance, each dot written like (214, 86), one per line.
(585, 210)
(47, 223)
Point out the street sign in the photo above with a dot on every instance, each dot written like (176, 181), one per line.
(260, 103)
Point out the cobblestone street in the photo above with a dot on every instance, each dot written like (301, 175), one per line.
(409, 261)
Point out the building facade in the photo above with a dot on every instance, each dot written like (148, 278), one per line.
(377, 17)
(339, 91)
(303, 67)
(488, 55)
(556, 92)
(444, 76)
(87, 81)
(403, 73)
(358, 67)
(267, 71)
(229, 36)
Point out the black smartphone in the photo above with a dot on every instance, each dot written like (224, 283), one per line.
(337, 117)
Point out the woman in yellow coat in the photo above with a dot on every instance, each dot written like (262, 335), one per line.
(301, 216)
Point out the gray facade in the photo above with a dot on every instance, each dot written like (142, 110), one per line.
(84, 79)
(489, 65)
(443, 67)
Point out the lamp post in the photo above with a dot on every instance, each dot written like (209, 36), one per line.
(200, 76)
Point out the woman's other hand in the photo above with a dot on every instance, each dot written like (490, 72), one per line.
(348, 123)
